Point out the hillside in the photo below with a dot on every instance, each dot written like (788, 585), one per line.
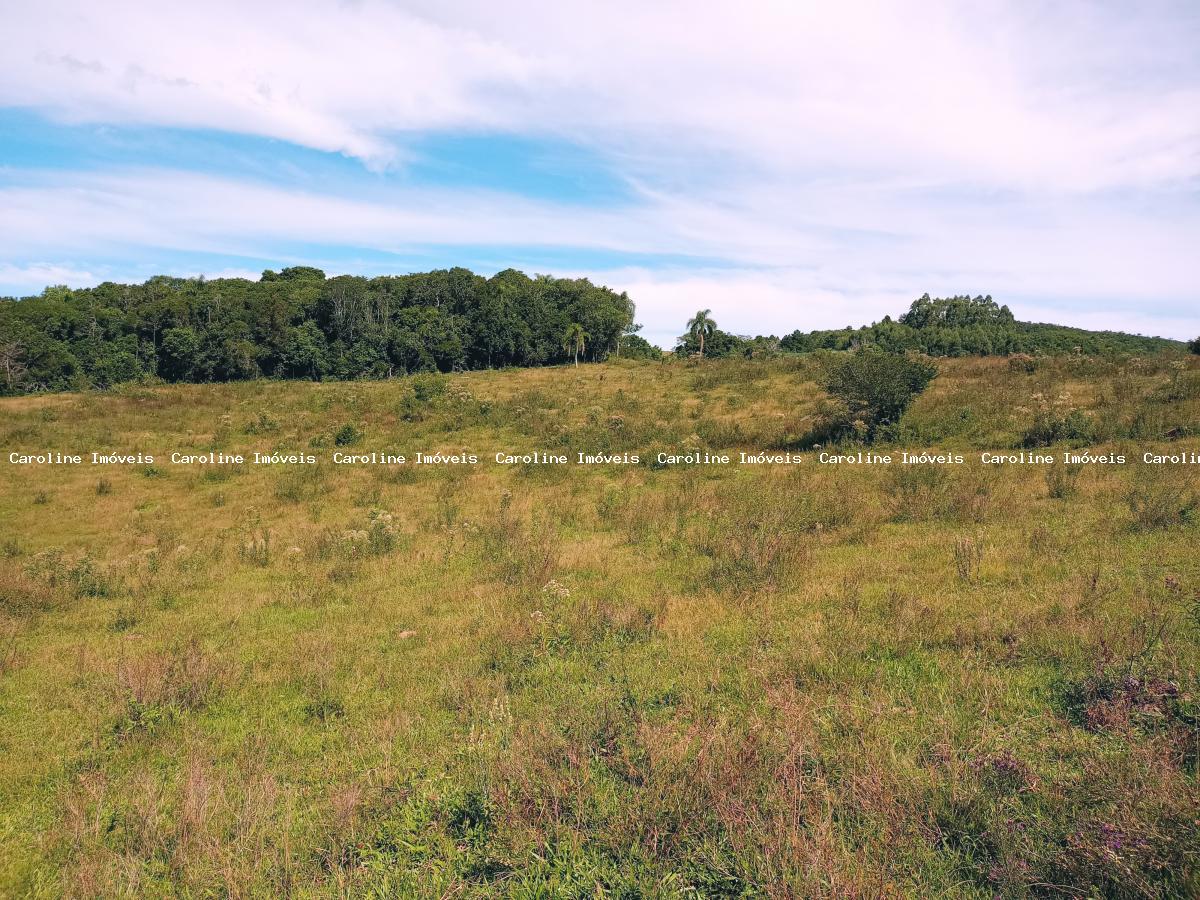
(974, 326)
(531, 679)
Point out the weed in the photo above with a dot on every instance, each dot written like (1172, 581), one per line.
(256, 547)
(324, 708)
(262, 423)
(1062, 480)
(1057, 421)
(968, 555)
(1160, 498)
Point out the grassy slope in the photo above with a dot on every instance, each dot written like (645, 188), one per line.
(538, 680)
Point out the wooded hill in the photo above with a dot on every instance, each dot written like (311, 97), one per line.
(973, 326)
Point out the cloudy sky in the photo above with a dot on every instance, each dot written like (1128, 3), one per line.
(786, 164)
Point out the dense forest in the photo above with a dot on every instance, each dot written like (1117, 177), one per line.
(297, 323)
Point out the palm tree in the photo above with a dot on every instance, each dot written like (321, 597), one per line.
(573, 339)
(702, 326)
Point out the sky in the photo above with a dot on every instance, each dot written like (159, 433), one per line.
(785, 164)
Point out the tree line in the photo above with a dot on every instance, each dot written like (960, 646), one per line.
(933, 326)
(297, 323)
(972, 326)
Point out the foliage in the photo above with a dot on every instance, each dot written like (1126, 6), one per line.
(634, 346)
(701, 327)
(970, 326)
(874, 388)
(575, 340)
(723, 345)
(299, 324)
(1161, 499)
(718, 344)
(1055, 423)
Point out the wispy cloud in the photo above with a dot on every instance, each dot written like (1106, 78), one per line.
(1067, 97)
(820, 163)
(35, 276)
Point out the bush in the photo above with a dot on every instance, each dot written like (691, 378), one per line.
(1159, 499)
(347, 436)
(1052, 425)
(428, 387)
(875, 388)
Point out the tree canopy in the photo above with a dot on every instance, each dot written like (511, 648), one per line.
(297, 323)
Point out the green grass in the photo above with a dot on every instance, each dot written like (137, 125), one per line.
(623, 681)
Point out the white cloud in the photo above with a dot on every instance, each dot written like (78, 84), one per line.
(185, 211)
(327, 75)
(748, 301)
(32, 278)
(784, 267)
(990, 93)
(838, 159)
(779, 301)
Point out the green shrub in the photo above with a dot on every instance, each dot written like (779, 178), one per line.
(874, 389)
(347, 436)
(428, 387)
(323, 708)
(1052, 426)
(263, 423)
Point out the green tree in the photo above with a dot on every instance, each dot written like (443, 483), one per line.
(701, 326)
(180, 353)
(1194, 346)
(634, 346)
(874, 388)
(629, 331)
(573, 340)
(305, 353)
(718, 344)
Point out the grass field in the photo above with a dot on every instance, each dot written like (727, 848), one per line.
(603, 681)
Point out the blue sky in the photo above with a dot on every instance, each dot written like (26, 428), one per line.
(787, 165)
